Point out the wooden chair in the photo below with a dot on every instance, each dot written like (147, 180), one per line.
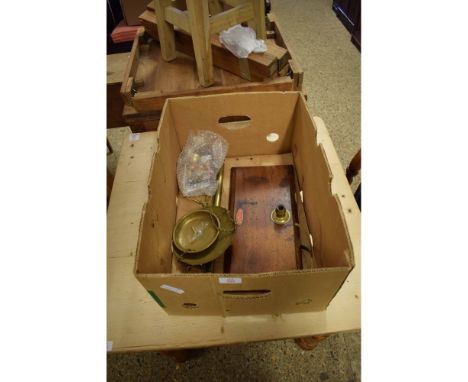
(202, 19)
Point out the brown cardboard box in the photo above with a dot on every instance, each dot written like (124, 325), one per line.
(132, 9)
(321, 186)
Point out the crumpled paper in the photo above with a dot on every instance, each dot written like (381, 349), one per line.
(241, 41)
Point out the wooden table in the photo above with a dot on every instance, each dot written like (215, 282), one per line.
(135, 322)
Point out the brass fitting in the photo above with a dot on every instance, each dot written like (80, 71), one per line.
(280, 215)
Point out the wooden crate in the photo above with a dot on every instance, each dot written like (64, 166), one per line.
(148, 80)
(256, 67)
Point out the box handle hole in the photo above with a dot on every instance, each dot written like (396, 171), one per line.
(189, 305)
(246, 294)
(234, 122)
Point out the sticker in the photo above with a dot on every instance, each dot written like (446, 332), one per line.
(109, 345)
(230, 280)
(172, 289)
(239, 216)
(133, 137)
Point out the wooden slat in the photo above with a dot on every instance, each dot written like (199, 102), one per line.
(260, 65)
(233, 3)
(179, 4)
(215, 7)
(130, 70)
(231, 17)
(178, 18)
(155, 100)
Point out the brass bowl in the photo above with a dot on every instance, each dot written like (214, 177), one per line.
(223, 242)
(196, 231)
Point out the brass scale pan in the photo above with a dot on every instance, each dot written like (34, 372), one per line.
(204, 234)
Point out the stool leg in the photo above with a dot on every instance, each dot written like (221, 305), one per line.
(165, 31)
(200, 29)
(259, 20)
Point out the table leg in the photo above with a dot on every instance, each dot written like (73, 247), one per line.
(178, 355)
(309, 343)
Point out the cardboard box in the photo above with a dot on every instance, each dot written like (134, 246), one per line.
(132, 9)
(321, 186)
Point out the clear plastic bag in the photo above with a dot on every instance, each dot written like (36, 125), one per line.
(241, 41)
(199, 163)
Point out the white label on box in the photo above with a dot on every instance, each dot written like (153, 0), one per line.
(134, 137)
(172, 289)
(109, 345)
(230, 280)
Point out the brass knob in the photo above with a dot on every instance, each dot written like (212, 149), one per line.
(280, 215)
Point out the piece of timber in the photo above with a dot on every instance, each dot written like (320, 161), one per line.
(256, 67)
(259, 244)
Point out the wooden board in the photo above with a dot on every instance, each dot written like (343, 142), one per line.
(136, 323)
(259, 244)
(307, 260)
(229, 163)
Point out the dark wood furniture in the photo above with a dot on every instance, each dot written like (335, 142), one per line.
(259, 244)
(353, 169)
(349, 13)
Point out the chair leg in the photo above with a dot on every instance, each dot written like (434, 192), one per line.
(165, 31)
(200, 29)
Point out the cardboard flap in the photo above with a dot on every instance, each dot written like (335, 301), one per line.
(205, 113)
(332, 245)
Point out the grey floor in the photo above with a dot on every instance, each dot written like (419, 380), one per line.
(332, 80)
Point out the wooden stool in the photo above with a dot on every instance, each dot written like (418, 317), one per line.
(200, 25)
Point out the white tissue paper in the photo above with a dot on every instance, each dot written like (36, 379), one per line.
(241, 41)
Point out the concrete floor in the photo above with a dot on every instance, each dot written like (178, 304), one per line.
(332, 79)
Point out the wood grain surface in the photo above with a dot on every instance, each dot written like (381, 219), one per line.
(259, 244)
